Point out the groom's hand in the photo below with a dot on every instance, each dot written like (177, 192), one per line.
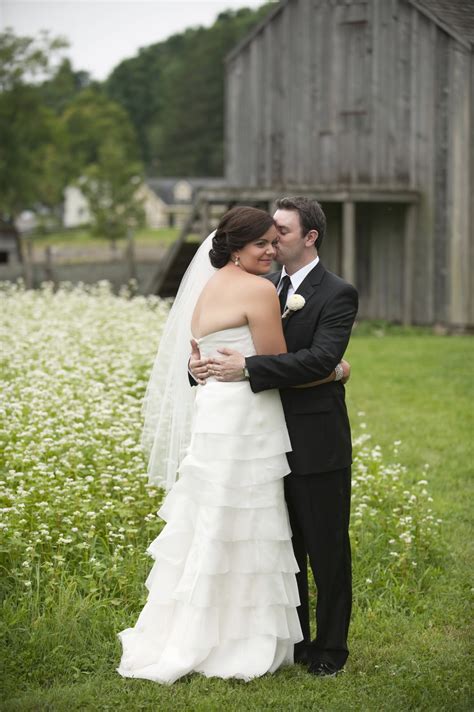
(198, 367)
(229, 367)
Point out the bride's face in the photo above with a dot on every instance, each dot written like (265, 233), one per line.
(257, 256)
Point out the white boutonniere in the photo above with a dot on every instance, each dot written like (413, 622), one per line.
(294, 303)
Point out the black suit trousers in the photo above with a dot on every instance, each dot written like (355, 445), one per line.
(319, 510)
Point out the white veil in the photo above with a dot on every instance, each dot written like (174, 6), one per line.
(168, 403)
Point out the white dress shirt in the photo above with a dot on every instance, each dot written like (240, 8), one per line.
(297, 277)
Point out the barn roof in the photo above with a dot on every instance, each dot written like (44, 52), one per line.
(456, 17)
(164, 187)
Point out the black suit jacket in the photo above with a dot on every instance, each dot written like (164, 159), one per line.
(316, 338)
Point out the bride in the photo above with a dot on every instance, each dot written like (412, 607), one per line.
(222, 591)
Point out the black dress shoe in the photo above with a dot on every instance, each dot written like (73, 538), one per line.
(324, 670)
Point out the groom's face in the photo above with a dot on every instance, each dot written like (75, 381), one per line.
(291, 245)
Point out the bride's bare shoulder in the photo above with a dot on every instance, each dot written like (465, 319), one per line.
(260, 285)
(247, 284)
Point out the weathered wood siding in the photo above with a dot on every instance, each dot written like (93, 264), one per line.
(380, 261)
(341, 92)
(331, 250)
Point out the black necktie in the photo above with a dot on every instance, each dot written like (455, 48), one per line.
(283, 296)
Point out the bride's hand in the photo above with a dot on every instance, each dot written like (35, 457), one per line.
(229, 367)
(198, 367)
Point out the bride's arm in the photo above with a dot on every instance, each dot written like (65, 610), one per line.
(262, 310)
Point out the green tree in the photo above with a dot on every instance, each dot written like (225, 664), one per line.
(23, 59)
(135, 84)
(63, 87)
(110, 186)
(103, 154)
(58, 129)
(92, 119)
(31, 139)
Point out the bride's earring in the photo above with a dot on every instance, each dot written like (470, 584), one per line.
(237, 261)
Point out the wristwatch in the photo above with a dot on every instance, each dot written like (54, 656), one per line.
(339, 372)
(245, 372)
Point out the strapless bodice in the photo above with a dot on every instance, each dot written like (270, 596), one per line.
(238, 338)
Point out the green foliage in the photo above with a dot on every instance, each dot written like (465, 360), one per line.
(174, 94)
(32, 165)
(78, 516)
(91, 120)
(110, 187)
(135, 84)
(63, 87)
(23, 58)
(112, 201)
(27, 130)
(103, 158)
(59, 131)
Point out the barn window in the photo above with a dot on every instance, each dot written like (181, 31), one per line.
(356, 75)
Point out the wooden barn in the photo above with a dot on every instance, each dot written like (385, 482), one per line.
(366, 105)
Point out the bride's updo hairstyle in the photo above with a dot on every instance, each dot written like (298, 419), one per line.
(238, 227)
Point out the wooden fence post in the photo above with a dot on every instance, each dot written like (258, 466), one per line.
(26, 249)
(204, 219)
(48, 263)
(130, 255)
(408, 258)
(348, 242)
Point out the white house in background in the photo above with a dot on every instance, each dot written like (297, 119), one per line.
(166, 201)
(177, 195)
(156, 210)
(76, 208)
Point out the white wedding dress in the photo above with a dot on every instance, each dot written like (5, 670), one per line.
(222, 591)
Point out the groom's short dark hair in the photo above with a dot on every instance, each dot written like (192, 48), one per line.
(311, 215)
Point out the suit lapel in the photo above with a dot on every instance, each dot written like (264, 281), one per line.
(311, 281)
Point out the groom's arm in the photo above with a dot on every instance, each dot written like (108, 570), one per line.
(328, 345)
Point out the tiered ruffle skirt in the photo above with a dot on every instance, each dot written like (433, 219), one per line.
(222, 591)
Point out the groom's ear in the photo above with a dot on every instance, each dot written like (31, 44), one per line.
(311, 237)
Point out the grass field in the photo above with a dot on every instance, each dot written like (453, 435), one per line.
(82, 237)
(78, 514)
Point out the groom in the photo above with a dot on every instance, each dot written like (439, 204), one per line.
(318, 489)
